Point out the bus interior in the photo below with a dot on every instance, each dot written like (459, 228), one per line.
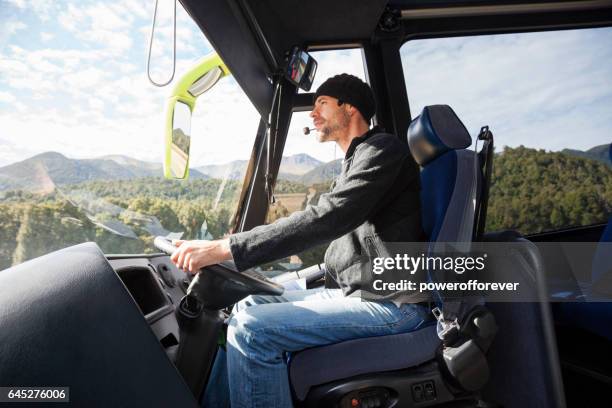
(111, 327)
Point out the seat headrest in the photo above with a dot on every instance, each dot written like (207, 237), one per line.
(436, 131)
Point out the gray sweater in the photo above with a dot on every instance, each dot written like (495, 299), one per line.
(375, 199)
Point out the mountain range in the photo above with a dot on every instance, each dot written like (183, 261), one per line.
(43, 171)
(599, 153)
(300, 168)
(320, 174)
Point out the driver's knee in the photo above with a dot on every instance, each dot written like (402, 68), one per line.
(250, 333)
(240, 331)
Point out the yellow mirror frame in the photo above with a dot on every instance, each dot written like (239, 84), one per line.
(181, 93)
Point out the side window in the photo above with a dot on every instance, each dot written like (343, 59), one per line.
(547, 97)
(306, 171)
(308, 166)
(334, 62)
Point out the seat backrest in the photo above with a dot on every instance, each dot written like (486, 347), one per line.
(593, 315)
(450, 177)
(525, 368)
(602, 261)
(451, 185)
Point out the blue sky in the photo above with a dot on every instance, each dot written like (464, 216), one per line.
(73, 79)
(548, 90)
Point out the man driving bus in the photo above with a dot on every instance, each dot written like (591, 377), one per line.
(374, 199)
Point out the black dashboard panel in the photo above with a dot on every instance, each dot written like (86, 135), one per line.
(144, 288)
(157, 287)
(66, 319)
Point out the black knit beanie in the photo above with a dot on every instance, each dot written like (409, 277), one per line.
(350, 89)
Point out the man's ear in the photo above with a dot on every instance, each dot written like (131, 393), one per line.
(350, 109)
(354, 112)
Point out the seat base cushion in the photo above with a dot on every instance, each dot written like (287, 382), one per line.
(323, 364)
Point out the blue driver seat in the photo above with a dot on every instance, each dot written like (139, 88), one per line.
(408, 369)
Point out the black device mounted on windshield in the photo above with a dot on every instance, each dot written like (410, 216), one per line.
(301, 68)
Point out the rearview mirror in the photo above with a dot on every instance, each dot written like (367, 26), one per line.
(301, 68)
(198, 80)
(181, 139)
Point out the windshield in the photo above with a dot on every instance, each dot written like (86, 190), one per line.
(81, 146)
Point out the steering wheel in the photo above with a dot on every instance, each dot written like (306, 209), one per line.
(220, 285)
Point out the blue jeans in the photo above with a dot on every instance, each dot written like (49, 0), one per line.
(263, 329)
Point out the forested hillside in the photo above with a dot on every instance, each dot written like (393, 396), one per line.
(532, 191)
(122, 216)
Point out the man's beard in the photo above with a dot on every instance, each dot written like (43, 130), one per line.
(327, 132)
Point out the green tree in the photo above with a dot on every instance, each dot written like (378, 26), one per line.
(49, 227)
(10, 222)
(534, 190)
(191, 218)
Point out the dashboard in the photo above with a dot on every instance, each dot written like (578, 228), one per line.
(157, 287)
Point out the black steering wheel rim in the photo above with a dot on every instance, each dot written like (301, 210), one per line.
(227, 271)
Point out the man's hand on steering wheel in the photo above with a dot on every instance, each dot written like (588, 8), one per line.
(191, 256)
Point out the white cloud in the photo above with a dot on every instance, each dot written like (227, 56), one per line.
(7, 29)
(41, 64)
(105, 26)
(43, 8)
(72, 59)
(10, 152)
(126, 68)
(72, 18)
(332, 63)
(52, 71)
(142, 9)
(12, 66)
(189, 41)
(17, 3)
(116, 42)
(82, 137)
(46, 37)
(103, 30)
(96, 104)
(530, 88)
(34, 82)
(105, 18)
(6, 97)
(13, 27)
(136, 128)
